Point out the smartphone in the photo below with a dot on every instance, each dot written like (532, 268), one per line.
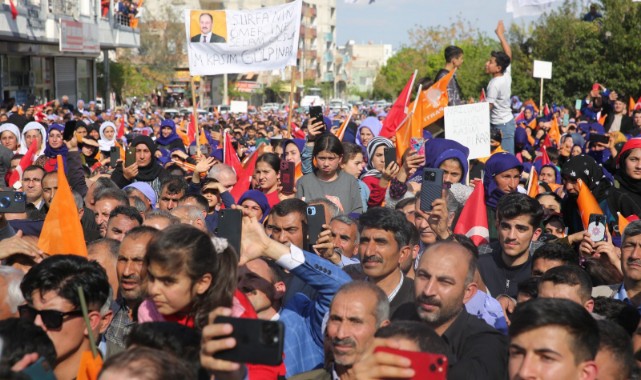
(70, 128)
(598, 138)
(114, 156)
(130, 156)
(390, 155)
(431, 188)
(418, 145)
(230, 227)
(287, 176)
(257, 341)
(40, 370)
(426, 366)
(596, 227)
(12, 202)
(316, 115)
(315, 221)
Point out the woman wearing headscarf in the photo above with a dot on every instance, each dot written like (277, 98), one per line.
(610, 199)
(107, 138)
(255, 202)
(54, 146)
(169, 138)
(33, 131)
(377, 177)
(502, 176)
(529, 118)
(145, 169)
(369, 128)
(628, 174)
(10, 136)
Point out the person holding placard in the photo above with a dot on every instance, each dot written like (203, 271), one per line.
(499, 90)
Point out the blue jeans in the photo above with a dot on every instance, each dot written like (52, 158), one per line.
(507, 130)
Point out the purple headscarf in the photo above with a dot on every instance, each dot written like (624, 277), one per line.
(498, 163)
(258, 197)
(164, 141)
(373, 124)
(63, 150)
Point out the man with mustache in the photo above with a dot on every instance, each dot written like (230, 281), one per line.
(384, 245)
(132, 288)
(357, 311)
(630, 289)
(444, 282)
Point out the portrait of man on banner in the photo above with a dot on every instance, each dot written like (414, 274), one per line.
(211, 27)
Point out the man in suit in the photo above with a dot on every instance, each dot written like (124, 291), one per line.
(206, 31)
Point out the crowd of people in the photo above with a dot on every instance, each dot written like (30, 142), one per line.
(540, 297)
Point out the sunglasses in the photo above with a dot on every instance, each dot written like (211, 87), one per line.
(52, 319)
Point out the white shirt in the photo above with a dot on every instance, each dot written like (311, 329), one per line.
(208, 36)
(499, 92)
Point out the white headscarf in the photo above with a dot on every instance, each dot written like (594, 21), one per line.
(13, 129)
(29, 127)
(105, 144)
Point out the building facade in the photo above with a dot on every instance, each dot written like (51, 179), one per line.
(48, 48)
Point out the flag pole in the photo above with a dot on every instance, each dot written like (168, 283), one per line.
(291, 100)
(541, 99)
(195, 115)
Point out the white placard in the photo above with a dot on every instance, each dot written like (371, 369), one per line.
(542, 69)
(469, 125)
(239, 41)
(238, 106)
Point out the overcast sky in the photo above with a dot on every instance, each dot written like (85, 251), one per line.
(387, 21)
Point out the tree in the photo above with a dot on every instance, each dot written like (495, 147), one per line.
(426, 55)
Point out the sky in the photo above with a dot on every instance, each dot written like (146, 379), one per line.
(388, 21)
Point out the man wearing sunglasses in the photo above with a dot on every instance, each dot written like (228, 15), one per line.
(51, 291)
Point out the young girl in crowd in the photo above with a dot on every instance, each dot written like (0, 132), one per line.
(189, 274)
(107, 138)
(377, 176)
(266, 175)
(353, 164)
(55, 146)
(327, 178)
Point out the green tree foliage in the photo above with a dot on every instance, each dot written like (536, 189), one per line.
(426, 55)
(607, 51)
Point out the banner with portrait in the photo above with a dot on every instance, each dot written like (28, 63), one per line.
(238, 41)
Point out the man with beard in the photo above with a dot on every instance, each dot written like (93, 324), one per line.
(131, 279)
(444, 282)
(357, 311)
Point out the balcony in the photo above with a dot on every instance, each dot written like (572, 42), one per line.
(328, 77)
(309, 11)
(308, 32)
(39, 22)
(328, 56)
(329, 37)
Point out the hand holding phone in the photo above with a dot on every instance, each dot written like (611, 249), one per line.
(287, 176)
(316, 116)
(596, 227)
(315, 221)
(230, 227)
(257, 341)
(390, 155)
(432, 188)
(426, 366)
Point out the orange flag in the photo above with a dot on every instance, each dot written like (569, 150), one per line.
(62, 231)
(298, 172)
(602, 119)
(623, 223)
(587, 204)
(340, 132)
(555, 133)
(533, 186)
(90, 366)
(631, 105)
(403, 136)
(430, 104)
